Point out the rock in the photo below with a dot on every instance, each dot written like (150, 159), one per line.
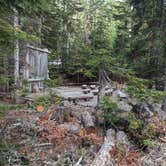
(84, 86)
(122, 94)
(106, 88)
(108, 92)
(156, 156)
(122, 138)
(157, 108)
(164, 104)
(87, 119)
(143, 110)
(123, 105)
(93, 87)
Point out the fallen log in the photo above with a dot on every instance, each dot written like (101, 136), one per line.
(42, 145)
(74, 129)
(103, 157)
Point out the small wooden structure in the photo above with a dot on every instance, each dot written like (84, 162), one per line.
(35, 67)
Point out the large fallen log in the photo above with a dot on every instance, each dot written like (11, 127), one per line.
(103, 157)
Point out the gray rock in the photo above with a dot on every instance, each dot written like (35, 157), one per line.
(122, 138)
(123, 105)
(122, 94)
(106, 87)
(164, 104)
(143, 110)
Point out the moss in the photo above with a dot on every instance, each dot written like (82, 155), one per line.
(4, 108)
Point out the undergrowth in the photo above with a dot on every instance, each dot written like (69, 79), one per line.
(8, 149)
(6, 107)
(47, 100)
(143, 133)
(138, 88)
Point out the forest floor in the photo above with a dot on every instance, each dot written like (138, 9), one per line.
(60, 137)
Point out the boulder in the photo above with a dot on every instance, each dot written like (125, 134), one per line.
(123, 105)
(143, 110)
(87, 119)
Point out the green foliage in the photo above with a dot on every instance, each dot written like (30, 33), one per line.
(6, 150)
(51, 83)
(107, 105)
(148, 51)
(4, 108)
(23, 92)
(143, 133)
(137, 88)
(3, 81)
(135, 124)
(47, 100)
(148, 143)
(6, 31)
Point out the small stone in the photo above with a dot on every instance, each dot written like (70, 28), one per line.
(107, 88)
(108, 92)
(84, 86)
(122, 94)
(124, 106)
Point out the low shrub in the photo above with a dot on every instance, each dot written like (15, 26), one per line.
(47, 100)
(143, 133)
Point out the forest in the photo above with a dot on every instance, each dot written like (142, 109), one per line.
(83, 82)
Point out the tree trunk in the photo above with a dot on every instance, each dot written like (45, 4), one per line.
(164, 100)
(163, 33)
(40, 29)
(16, 48)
